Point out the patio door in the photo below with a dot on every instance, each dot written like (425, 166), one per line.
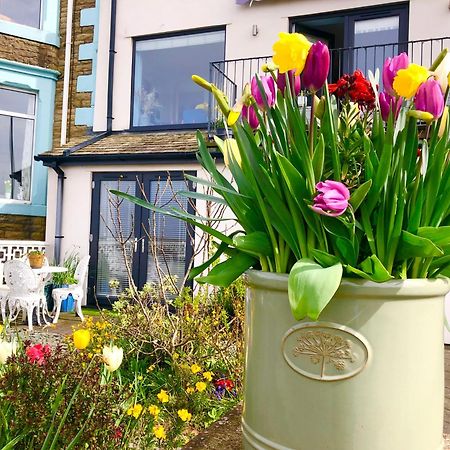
(128, 241)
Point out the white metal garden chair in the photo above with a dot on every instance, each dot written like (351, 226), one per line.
(4, 291)
(24, 291)
(77, 290)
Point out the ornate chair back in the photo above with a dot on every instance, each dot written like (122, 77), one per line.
(81, 271)
(20, 278)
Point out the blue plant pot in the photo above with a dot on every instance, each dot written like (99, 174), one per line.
(68, 304)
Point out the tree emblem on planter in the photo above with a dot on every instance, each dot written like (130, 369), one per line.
(325, 351)
(324, 348)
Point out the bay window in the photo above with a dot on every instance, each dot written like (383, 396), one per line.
(24, 12)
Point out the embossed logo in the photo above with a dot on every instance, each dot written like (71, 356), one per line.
(325, 351)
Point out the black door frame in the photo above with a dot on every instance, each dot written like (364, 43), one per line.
(141, 216)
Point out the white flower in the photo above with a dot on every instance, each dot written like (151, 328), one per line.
(442, 72)
(112, 357)
(7, 349)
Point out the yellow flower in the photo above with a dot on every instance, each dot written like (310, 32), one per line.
(408, 80)
(140, 378)
(290, 52)
(184, 415)
(200, 386)
(208, 376)
(135, 410)
(153, 410)
(190, 390)
(1, 328)
(195, 368)
(159, 432)
(175, 355)
(230, 151)
(162, 396)
(81, 339)
(151, 368)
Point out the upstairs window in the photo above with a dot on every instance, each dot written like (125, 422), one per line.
(164, 95)
(24, 12)
(17, 117)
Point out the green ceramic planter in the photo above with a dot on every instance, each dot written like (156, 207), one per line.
(368, 376)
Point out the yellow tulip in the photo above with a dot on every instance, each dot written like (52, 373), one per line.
(290, 52)
(112, 357)
(444, 120)
(408, 80)
(421, 115)
(81, 339)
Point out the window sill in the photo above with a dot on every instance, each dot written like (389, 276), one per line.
(181, 127)
(32, 34)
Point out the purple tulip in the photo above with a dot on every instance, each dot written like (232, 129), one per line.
(317, 66)
(332, 200)
(268, 86)
(429, 98)
(389, 104)
(294, 82)
(390, 69)
(249, 113)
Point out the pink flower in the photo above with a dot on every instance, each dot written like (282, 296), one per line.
(390, 69)
(429, 98)
(389, 103)
(294, 82)
(268, 87)
(37, 353)
(317, 66)
(332, 200)
(249, 113)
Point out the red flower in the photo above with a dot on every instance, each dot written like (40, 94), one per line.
(224, 383)
(354, 87)
(37, 353)
(118, 433)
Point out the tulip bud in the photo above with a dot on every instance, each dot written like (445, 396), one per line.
(317, 66)
(389, 104)
(268, 87)
(429, 98)
(332, 199)
(249, 113)
(442, 73)
(421, 115)
(443, 122)
(112, 357)
(319, 107)
(7, 349)
(269, 67)
(294, 82)
(390, 69)
(202, 82)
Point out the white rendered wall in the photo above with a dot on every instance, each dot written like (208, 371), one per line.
(428, 18)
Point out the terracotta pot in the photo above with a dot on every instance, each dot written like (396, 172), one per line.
(369, 375)
(36, 260)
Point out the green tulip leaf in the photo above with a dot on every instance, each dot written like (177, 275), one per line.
(256, 243)
(413, 246)
(440, 236)
(311, 287)
(226, 272)
(359, 195)
(324, 258)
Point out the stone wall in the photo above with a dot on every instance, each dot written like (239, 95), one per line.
(28, 52)
(80, 35)
(26, 228)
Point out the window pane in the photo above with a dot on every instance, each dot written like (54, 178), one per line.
(25, 12)
(164, 91)
(371, 32)
(111, 261)
(16, 157)
(16, 101)
(167, 235)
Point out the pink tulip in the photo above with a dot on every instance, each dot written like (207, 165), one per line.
(38, 353)
(317, 66)
(249, 113)
(389, 104)
(332, 200)
(429, 98)
(268, 86)
(390, 69)
(294, 82)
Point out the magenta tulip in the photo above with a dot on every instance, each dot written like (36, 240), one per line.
(429, 98)
(390, 69)
(389, 104)
(332, 199)
(249, 113)
(268, 86)
(294, 82)
(317, 66)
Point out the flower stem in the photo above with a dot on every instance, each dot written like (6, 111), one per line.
(311, 126)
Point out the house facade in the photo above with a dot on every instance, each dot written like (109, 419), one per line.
(127, 113)
(29, 45)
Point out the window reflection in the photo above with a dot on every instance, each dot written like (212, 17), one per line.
(24, 12)
(164, 93)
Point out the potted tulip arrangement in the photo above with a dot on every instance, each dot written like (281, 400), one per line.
(343, 227)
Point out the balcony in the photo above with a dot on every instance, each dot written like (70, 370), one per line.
(232, 75)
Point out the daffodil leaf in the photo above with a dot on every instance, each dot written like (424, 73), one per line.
(311, 287)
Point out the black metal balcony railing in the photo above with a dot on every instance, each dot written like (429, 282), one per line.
(232, 75)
